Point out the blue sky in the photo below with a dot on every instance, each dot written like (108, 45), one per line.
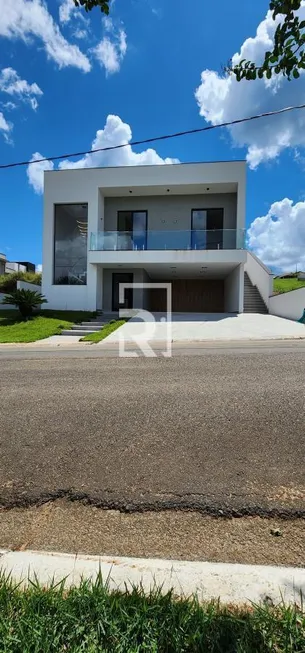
(66, 72)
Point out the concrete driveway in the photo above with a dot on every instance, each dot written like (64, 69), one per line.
(197, 327)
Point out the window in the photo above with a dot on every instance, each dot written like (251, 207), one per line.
(134, 226)
(207, 228)
(70, 244)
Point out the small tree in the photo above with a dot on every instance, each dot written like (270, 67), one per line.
(25, 300)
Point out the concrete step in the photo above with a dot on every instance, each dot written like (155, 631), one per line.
(88, 329)
(92, 324)
(75, 332)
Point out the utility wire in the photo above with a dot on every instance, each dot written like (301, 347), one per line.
(155, 138)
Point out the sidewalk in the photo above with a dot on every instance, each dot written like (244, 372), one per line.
(233, 584)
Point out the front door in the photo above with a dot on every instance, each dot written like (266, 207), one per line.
(118, 278)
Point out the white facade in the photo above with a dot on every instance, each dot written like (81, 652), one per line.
(168, 195)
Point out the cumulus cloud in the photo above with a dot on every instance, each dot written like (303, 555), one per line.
(278, 238)
(11, 83)
(115, 132)
(39, 267)
(35, 172)
(111, 50)
(221, 99)
(24, 19)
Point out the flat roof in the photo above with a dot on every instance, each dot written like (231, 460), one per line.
(149, 165)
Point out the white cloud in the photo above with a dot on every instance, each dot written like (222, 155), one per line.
(111, 50)
(278, 238)
(5, 127)
(39, 267)
(80, 33)
(11, 83)
(25, 19)
(9, 105)
(222, 99)
(35, 172)
(115, 132)
(65, 10)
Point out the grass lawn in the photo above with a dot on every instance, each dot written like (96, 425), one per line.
(47, 323)
(92, 619)
(97, 336)
(285, 285)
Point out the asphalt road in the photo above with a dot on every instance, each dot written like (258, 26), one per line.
(222, 432)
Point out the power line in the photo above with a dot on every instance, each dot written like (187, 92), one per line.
(155, 138)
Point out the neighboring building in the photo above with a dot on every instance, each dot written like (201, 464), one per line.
(19, 266)
(2, 263)
(13, 266)
(183, 223)
(29, 267)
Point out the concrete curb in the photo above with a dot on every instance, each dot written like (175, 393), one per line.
(232, 583)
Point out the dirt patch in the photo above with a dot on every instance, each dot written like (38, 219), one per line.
(78, 528)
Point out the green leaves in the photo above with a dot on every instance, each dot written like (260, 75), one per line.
(286, 57)
(90, 4)
(25, 300)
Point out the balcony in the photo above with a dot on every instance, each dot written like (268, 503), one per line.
(205, 239)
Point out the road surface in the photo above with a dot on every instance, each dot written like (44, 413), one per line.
(221, 432)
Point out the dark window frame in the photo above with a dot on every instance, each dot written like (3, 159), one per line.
(132, 211)
(55, 204)
(210, 208)
(207, 230)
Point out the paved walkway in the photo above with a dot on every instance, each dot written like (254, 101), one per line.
(238, 584)
(193, 327)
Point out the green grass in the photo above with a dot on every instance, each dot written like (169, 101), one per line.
(91, 619)
(286, 285)
(97, 336)
(47, 323)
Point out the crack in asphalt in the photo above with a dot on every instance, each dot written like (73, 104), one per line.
(206, 506)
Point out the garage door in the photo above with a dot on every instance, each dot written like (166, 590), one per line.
(191, 296)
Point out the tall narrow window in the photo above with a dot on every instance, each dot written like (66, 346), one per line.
(70, 244)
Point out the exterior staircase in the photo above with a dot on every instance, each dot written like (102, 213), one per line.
(253, 301)
(91, 326)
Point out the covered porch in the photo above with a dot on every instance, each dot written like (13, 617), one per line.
(194, 288)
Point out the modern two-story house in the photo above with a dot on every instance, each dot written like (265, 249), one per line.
(181, 223)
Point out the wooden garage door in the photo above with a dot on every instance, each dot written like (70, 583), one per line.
(191, 296)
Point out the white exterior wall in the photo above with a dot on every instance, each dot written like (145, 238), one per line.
(86, 186)
(259, 276)
(288, 304)
(25, 285)
(234, 291)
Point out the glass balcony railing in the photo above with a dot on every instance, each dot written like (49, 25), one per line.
(168, 240)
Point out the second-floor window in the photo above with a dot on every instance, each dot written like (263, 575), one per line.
(207, 228)
(132, 226)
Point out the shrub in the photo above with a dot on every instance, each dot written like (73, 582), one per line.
(8, 282)
(25, 300)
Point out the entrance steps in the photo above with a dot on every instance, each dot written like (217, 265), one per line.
(96, 324)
